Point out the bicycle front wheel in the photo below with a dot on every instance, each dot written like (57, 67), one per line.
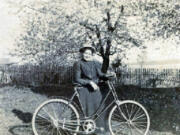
(55, 117)
(129, 118)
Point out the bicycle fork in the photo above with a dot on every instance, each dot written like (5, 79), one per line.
(118, 103)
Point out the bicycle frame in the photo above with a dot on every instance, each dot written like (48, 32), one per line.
(99, 110)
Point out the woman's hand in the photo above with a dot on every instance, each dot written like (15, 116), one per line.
(94, 85)
(111, 75)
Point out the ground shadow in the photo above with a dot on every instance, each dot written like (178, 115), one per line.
(25, 117)
(25, 129)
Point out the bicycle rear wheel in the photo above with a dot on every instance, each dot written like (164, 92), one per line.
(55, 117)
(129, 118)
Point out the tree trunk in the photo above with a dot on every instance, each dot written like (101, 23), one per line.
(105, 64)
(106, 58)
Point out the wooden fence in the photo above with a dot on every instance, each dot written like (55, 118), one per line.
(64, 75)
(149, 77)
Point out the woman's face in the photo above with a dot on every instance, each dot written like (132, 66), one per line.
(87, 55)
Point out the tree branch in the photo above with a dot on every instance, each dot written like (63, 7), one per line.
(87, 26)
(130, 39)
(98, 34)
(108, 22)
(90, 37)
(116, 23)
(107, 53)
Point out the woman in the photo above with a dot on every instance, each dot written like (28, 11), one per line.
(87, 72)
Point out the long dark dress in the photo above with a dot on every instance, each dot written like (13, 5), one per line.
(84, 72)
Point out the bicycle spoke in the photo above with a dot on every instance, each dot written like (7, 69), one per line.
(62, 110)
(131, 113)
(65, 110)
(43, 125)
(52, 131)
(43, 118)
(121, 129)
(119, 121)
(134, 119)
(137, 113)
(116, 116)
(54, 111)
(64, 132)
(127, 111)
(131, 130)
(119, 124)
(138, 130)
(59, 132)
(142, 125)
(50, 116)
(49, 130)
(47, 125)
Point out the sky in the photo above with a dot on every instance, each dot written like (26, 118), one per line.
(10, 28)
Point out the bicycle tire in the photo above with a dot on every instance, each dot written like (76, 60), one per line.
(49, 118)
(72, 102)
(128, 118)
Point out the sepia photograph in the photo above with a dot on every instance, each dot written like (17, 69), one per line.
(90, 67)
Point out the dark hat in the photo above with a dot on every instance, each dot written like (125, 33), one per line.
(87, 46)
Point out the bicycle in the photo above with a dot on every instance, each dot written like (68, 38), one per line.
(62, 116)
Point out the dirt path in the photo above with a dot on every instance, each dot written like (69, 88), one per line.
(25, 100)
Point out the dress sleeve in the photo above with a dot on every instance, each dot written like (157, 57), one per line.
(100, 73)
(77, 75)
